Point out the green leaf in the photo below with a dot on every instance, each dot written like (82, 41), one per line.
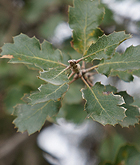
(123, 75)
(25, 98)
(136, 72)
(29, 51)
(84, 18)
(73, 95)
(129, 61)
(31, 118)
(56, 76)
(128, 155)
(127, 98)
(73, 113)
(136, 102)
(109, 89)
(48, 92)
(103, 107)
(105, 46)
(132, 112)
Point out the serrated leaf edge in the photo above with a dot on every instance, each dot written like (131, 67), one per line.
(101, 105)
(94, 53)
(49, 93)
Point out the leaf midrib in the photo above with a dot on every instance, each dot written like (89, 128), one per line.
(103, 109)
(38, 58)
(52, 92)
(99, 51)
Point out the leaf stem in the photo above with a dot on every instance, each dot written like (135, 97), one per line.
(72, 73)
(91, 68)
(68, 67)
(80, 59)
(83, 65)
(88, 84)
(72, 81)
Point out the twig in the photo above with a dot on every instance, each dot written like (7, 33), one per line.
(82, 78)
(72, 81)
(72, 73)
(87, 80)
(68, 67)
(91, 68)
(83, 65)
(77, 61)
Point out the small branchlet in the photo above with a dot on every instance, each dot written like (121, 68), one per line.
(79, 72)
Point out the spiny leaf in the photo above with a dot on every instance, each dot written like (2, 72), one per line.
(48, 92)
(56, 76)
(129, 61)
(103, 107)
(84, 18)
(132, 112)
(105, 46)
(29, 51)
(31, 118)
(109, 89)
(127, 98)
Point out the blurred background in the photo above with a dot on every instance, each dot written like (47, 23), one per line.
(73, 141)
